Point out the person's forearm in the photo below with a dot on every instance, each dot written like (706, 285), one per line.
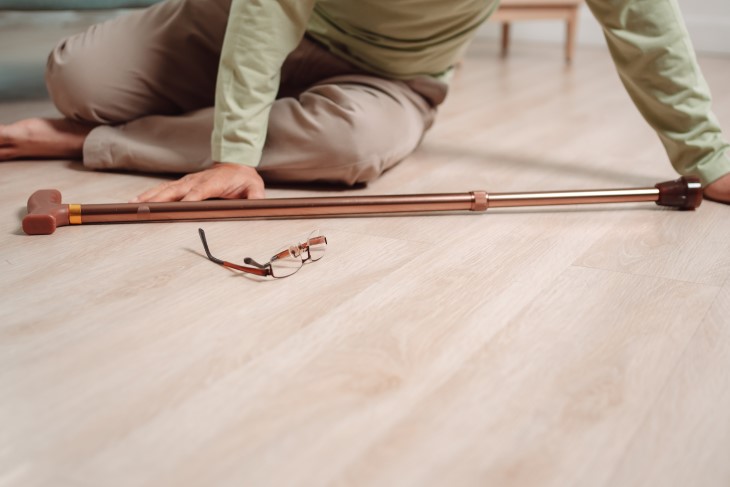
(657, 64)
(260, 34)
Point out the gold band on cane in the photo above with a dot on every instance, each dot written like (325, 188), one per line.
(74, 214)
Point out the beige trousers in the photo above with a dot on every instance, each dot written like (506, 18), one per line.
(149, 79)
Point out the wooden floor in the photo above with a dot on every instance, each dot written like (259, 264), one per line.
(583, 346)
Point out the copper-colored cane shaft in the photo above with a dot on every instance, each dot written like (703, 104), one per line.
(300, 207)
(46, 212)
(279, 207)
(504, 200)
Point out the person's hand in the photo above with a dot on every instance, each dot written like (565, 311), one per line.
(719, 190)
(230, 181)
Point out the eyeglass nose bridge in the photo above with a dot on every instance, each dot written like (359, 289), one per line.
(304, 253)
(317, 240)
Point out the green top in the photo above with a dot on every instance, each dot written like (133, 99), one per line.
(407, 38)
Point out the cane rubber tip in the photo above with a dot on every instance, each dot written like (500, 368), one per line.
(684, 193)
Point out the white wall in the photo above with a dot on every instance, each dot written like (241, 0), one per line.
(708, 22)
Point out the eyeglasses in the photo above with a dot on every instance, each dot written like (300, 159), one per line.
(284, 263)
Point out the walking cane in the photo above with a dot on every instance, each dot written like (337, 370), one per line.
(46, 210)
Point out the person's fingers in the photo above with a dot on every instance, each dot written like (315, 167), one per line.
(255, 191)
(719, 190)
(223, 181)
(149, 193)
(223, 186)
(173, 192)
(214, 187)
(168, 191)
(4, 137)
(199, 193)
(7, 153)
(204, 185)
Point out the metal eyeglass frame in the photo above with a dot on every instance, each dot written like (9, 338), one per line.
(266, 270)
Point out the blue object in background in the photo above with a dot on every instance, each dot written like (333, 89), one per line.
(72, 4)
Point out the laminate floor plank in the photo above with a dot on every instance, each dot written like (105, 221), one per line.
(564, 409)
(685, 436)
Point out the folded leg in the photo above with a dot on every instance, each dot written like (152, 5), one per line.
(162, 60)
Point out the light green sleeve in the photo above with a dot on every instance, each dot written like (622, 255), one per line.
(652, 51)
(259, 36)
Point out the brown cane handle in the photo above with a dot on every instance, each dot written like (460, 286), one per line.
(45, 213)
(684, 193)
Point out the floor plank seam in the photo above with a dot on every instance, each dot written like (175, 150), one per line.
(653, 276)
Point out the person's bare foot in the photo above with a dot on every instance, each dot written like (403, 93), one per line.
(719, 190)
(43, 138)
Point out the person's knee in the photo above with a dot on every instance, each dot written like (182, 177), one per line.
(66, 82)
(353, 158)
(331, 134)
(332, 150)
(91, 75)
(340, 160)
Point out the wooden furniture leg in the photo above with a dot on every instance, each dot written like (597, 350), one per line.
(505, 38)
(570, 29)
(516, 10)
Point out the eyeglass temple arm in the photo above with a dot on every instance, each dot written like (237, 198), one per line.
(319, 239)
(250, 261)
(207, 250)
(261, 271)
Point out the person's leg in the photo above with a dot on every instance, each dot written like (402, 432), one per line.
(162, 60)
(331, 123)
(37, 138)
(156, 143)
(345, 130)
(181, 143)
(336, 123)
